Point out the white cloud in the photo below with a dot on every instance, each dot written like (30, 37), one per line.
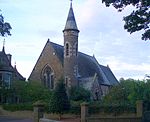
(101, 34)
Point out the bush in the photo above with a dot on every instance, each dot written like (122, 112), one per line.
(79, 94)
(18, 107)
(75, 107)
(59, 102)
(97, 107)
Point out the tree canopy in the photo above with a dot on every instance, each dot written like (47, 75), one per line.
(4, 27)
(25, 92)
(79, 94)
(59, 101)
(128, 92)
(139, 19)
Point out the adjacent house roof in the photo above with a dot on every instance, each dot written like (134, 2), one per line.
(5, 66)
(88, 66)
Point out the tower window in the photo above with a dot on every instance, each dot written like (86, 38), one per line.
(67, 49)
(66, 81)
(76, 49)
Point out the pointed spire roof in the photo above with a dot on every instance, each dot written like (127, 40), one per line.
(71, 22)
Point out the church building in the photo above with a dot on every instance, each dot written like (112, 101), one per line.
(77, 69)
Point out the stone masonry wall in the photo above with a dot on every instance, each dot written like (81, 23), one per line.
(47, 57)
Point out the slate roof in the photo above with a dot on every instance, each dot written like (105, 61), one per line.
(87, 66)
(110, 76)
(4, 63)
(71, 22)
(6, 66)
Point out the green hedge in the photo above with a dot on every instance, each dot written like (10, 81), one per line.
(18, 107)
(113, 108)
(75, 107)
(94, 107)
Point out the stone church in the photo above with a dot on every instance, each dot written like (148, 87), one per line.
(77, 68)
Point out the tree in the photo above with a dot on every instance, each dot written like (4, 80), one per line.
(79, 94)
(30, 92)
(59, 102)
(139, 19)
(4, 27)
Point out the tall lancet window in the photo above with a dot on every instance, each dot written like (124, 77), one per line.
(76, 49)
(48, 77)
(67, 49)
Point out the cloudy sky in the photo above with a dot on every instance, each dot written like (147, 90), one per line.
(101, 34)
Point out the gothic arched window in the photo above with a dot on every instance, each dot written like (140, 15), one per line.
(67, 49)
(48, 77)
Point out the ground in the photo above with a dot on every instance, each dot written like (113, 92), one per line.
(10, 119)
(71, 120)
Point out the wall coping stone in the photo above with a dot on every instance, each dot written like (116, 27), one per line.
(47, 120)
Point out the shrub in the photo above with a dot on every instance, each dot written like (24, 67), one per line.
(18, 107)
(75, 107)
(79, 94)
(97, 107)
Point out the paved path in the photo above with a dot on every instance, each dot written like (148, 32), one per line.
(10, 119)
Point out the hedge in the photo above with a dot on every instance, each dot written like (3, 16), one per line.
(94, 107)
(111, 108)
(18, 107)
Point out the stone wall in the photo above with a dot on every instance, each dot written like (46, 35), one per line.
(47, 57)
(17, 114)
(114, 119)
(47, 120)
(85, 117)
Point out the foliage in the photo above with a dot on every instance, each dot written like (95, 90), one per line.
(4, 27)
(79, 94)
(59, 102)
(18, 107)
(31, 91)
(139, 19)
(75, 107)
(117, 108)
(25, 92)
(96, 107)
(128, 92)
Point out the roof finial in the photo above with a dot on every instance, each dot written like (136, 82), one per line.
(70, 3)
(3, 45)
(15, 65)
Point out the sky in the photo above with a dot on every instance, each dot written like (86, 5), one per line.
(101, 34)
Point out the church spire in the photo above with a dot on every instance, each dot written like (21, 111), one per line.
(71, 22)
(71, 33)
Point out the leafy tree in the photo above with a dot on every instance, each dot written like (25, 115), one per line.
(59, 102)
(139, 19)
(4, 27)
(31, 92)
(79, 94)
(128, 92)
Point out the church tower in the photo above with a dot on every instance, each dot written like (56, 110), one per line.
(71, 50)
